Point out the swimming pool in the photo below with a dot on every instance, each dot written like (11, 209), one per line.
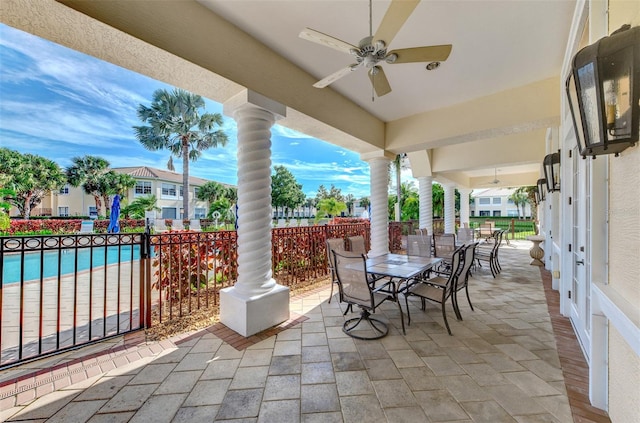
(67, 260)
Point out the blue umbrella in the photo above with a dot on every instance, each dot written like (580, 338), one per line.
(114, 226)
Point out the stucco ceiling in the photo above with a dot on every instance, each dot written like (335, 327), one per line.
(497, 44)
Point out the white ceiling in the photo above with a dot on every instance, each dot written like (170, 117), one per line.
(497, 45)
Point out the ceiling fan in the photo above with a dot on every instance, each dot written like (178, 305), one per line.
(495, 181)
(372, 50)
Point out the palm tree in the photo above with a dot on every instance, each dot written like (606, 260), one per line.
(175, 123)
(88, 172)
(349, 200)
(519, 198)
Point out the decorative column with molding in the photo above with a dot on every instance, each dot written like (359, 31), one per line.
(425, 192)
(464, 206)
(256, 302)
(449, 208)
(379, 165)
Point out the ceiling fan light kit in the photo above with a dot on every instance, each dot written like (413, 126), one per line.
(372, 50)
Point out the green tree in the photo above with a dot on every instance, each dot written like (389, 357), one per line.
(174, 122)
(222, 206)
(331, 207)
(336, 193)
(88, 172)
(286, 192)
(112, 183)
(322, 194)
(437, 196)
(349, 200)
(365, 203)
(136, 209)
(411, 208)
(31, 178)
(519, 198)
(211, 191)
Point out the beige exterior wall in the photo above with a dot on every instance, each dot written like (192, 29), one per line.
(624, 253)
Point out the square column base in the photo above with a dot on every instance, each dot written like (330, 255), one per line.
(250, 315)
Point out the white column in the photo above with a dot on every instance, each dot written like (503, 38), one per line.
(379, 206)
(449, 208)
(464, 206)
(256, 302)
(425, 192)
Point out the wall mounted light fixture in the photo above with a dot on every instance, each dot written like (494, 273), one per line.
(551, 164)
(603, 90)
(542, 185)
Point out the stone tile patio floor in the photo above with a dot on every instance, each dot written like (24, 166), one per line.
(501, 365)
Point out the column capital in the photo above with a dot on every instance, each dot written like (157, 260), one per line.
(251, 99)
(378, 154)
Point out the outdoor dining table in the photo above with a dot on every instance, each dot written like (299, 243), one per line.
(399, 268)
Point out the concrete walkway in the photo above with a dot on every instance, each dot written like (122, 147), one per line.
(500, 365)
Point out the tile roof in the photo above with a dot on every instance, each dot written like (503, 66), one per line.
(146, 172)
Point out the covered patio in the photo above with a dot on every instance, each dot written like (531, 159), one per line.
(512, 359)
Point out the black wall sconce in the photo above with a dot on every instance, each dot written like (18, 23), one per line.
(603, 90)
(542, 184)
(551, 164)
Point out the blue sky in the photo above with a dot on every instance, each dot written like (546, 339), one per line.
(59, 103)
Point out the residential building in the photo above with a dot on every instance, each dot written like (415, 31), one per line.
(164, 184)
(496, 202)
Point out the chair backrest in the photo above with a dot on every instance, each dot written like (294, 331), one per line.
(418, 245)
(356, 244)
(177, 225)
(86, 227)
(194, 225)
(465, 235)
(351, 271)
(422, 231)
(468, 258)
(160, 225)
(486, 230)
(282, 223)
(457, 257)
(304, 222)
(444, 245)
(334, 244)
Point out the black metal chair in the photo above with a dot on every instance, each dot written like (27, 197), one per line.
(357, 288)
(469, 251)
(437, 289)
(489, 253)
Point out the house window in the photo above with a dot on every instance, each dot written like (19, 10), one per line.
(63, 211)
(200, 213)
(484, 213)
(195, 191)
(143, 188)
(496, 213)
(497, 200)
(485, 200)
(168, 212)
(93, 212)
(168, 190)
(64, 191)
(182, 213)
(509, 201)
(512, 213)
(181, 191)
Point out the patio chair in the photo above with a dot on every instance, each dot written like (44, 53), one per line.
(356, 244)
(469, 255)
(177, 225)
(465, 235)
(486, 231)
(282, 223)
(333, 244)
(86, 227)
(357, 288)
(437, 289)
(443, 247)
(418, 245)
(194, 225)
(489, 254)
(304, 222)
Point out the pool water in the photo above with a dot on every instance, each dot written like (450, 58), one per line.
(67, 258)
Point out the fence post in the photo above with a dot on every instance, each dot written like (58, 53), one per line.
(145, 277)
(513, 228)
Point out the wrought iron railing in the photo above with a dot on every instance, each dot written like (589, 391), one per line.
(60, 292)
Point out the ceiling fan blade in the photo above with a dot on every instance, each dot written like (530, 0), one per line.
(422, 54)
(397, 14)
(335, 76)
(380, 82)
(326, 40)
